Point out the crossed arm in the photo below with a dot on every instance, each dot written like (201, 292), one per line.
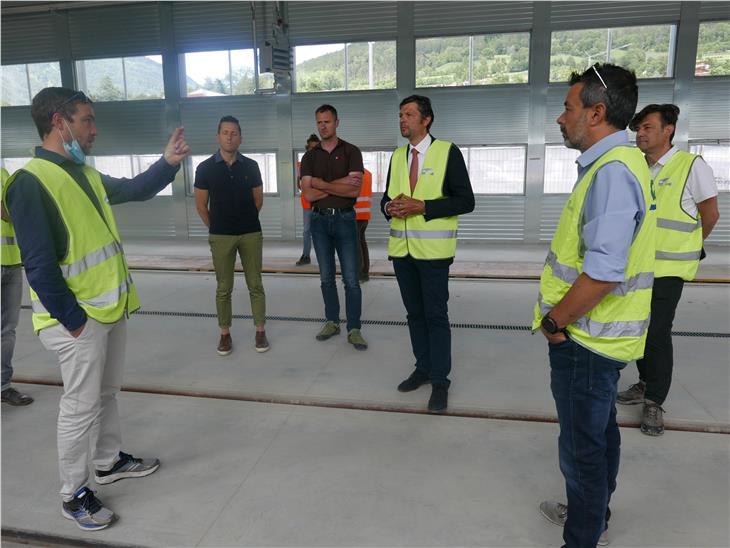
(315, 188)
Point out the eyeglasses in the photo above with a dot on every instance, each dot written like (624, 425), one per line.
(599, 76)
(79, 96)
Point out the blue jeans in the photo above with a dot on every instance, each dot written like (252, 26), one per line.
(584, 387)
(330, 233)
(424, 287)
(12, 293)
(306, 232)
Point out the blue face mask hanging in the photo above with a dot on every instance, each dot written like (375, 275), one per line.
(74, 149)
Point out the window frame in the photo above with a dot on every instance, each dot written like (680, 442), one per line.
(708, 76)
(671, 51)
(27, 81)
(545, 162)
(345, 45)
(471, 63)
(77, 75)
(257, 89)
(522, 146)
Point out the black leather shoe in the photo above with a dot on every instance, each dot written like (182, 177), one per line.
(413, 382)
(13, 397)
(439, 398)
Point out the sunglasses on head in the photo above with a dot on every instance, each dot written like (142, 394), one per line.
(79, 96)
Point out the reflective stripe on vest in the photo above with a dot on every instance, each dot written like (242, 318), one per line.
(616, 327)
(94, 268)
(679, 256)
(363, 204)
(642, 280)
(9, 250)
(679, 226)
(414, 236)
(92, 259)
(608, 329)
(423, 234)
(100, 301)
(679, 235)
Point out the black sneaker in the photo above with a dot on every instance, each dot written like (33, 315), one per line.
(416, 380)
(303, 260)
(87, 511)
(12, 397)
(439, 399)
(127, 467)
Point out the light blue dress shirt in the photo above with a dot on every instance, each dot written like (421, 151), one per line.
(613, 211)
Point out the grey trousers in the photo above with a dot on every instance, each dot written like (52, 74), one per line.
(88, 418)
(12, 293)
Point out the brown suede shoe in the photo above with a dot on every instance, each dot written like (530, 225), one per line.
(262, 343)
(225, 345)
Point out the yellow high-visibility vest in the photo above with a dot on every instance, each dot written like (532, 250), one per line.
(616, 328)
(679, 234)
(8, 246)
(414, 236)
(94, 268)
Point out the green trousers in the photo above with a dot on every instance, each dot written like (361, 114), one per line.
(249, 247)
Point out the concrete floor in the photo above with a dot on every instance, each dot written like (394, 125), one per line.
(240, 473)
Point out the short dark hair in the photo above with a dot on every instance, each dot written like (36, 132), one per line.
(618, 91)
(668, 112)
(231, 120)
(326, 108)
(49, 101)
(424, 106)
(312, 138)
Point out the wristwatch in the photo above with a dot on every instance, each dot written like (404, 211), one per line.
(550, 325)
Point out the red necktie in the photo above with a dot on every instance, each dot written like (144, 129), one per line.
(413, 173)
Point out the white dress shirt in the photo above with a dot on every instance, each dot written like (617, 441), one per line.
(700, 185)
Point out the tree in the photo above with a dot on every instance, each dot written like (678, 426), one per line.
(107, 91)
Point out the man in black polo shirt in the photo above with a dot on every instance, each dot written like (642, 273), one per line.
(331, 179)
(228, 196)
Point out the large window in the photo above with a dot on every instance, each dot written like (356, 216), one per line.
(126, 166)
(218, 73)
(21, 82)
(121, 78)
(646, 50)
(473, 60)
(713, 49)
(345, 67)
(377, 163)
(717, 156)
(496, 169)
(265, 160)
(561, 172)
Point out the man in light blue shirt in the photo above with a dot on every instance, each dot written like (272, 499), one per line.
(585, 369)
(613, 212)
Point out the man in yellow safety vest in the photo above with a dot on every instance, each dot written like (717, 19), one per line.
(12, 290)
(428, 187)
(686, 196)
(595, 294)
(81, 288)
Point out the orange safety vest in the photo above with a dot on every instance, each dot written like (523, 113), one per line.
(305, 203)
(364, 201)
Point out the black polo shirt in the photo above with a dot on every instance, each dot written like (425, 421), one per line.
(331, 166)
(230, 193)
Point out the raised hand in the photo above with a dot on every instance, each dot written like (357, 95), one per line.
(176, 149)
